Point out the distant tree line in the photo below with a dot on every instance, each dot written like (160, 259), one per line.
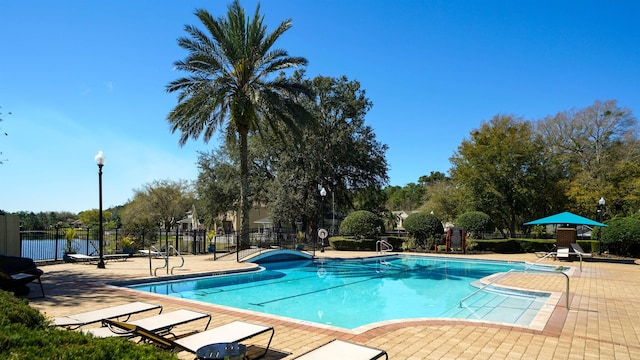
(516, 170)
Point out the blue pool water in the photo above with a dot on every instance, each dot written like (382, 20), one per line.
(356, 292)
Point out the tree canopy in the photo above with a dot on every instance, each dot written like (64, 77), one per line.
(158, 204)
(236, 85)
(340, 153)
(502, 169)
(596, 149)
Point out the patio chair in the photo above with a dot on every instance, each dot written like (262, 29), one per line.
(75, 321)
(233, 332)
(563, 253)
(578, 250)
(162, 324)
(91, 258)
(16, 272)
(338, 349)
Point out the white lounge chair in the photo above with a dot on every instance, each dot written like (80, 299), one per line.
(338, 349)
(162, 323)
(75, 321)
(233, 332)
(91, 258)
(562, 253)
(578, 250)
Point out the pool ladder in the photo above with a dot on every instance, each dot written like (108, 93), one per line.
(165, 256)
(383, 246)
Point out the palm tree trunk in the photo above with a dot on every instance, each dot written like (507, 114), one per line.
(244, 187)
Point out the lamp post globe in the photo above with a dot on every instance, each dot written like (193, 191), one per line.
(100, 161)
(601, 203)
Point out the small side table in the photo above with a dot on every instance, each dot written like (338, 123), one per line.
(222, 351)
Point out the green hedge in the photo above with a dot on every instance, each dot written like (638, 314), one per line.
(345, 243)
(500, 246)
(622, 237)
(350, 244)
(26, 334)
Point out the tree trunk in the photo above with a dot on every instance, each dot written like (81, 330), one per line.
(244, 187)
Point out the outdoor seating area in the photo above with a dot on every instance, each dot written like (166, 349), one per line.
(16, 272)
(231, 333)
(218, 342)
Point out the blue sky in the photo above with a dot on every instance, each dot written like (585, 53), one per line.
(83, 76)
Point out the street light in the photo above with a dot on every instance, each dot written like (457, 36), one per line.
(323, 193)
(100, 161)
(601, 203)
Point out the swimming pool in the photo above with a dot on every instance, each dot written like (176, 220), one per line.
(357, 292)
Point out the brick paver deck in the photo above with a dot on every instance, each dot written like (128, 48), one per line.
(603, 321)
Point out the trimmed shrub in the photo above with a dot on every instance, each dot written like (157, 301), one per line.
(396, 241)
(348, 244)
(622, 237)
(475, 223)
(18, 311)
(423, 226)
(25, 334)
(361, 224)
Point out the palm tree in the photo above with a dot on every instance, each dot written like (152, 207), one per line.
(236, 84)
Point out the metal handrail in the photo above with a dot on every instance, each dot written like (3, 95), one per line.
(549, 254)
(522, 271)
(165, 256)
(153, 250)
(177, 253)
(379, 244)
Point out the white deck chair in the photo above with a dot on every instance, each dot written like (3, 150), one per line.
(162, 324)
(75, 321)
(233, 332)
(578, 250)
(563, 253)
(81, 258)
(338, 349)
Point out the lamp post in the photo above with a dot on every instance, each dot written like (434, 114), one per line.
(100, 161)
(601, 203)
(323, 193)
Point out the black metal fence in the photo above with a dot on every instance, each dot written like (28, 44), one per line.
(51, 244)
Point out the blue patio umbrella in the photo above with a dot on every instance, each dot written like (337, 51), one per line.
(565, 218)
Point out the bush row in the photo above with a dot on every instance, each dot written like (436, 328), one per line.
(501, 246)
(345, 243)
(26, 334)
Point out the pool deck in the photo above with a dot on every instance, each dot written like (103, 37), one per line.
(603, 321)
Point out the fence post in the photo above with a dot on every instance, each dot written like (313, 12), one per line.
(238, 247)
(57, 237)
(177, 234)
